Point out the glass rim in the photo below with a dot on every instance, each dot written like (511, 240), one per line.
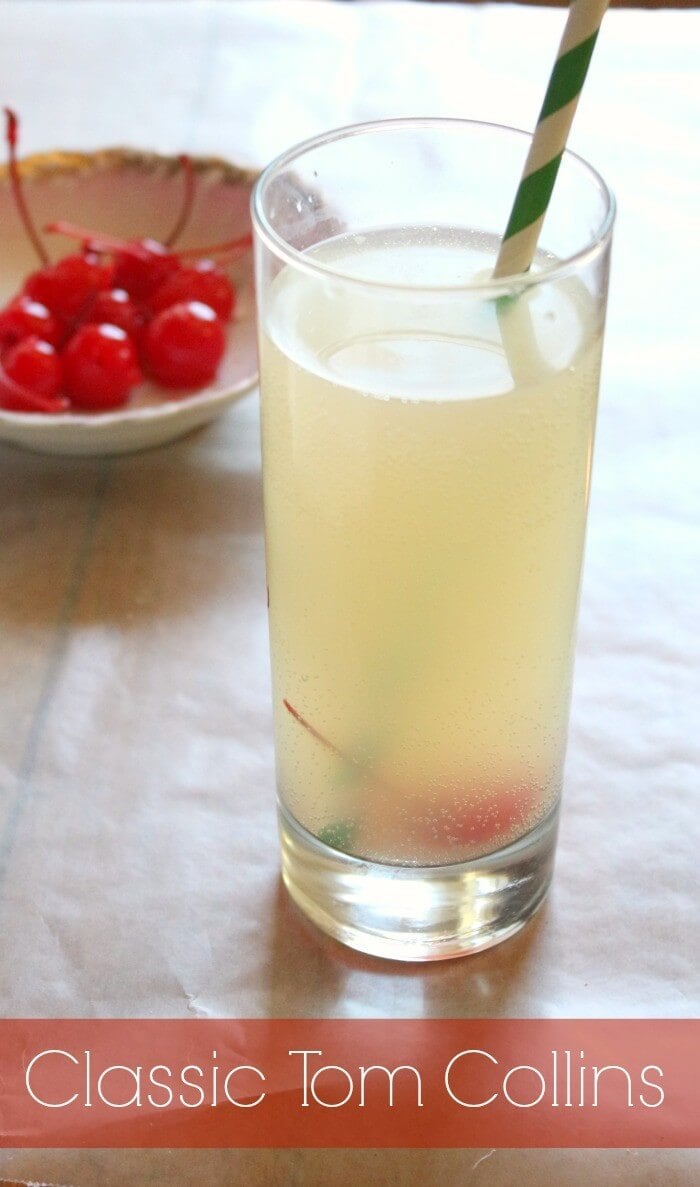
(502, 286)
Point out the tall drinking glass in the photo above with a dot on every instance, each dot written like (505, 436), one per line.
(427, 437)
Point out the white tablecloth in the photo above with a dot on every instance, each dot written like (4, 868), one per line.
(138, 858)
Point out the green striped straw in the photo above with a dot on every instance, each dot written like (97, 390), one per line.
(553, 125)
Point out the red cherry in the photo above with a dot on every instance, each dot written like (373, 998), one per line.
(184, 345)
(115, 307)
(14, 398)
(23, 317)
(142, 275)
(495, 817)
(100, 367)
(202, 281)
(34, 364)
(66, 287)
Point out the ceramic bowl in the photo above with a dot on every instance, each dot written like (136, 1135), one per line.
(131, 194)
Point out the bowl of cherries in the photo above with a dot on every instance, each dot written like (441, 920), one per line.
(127, 313)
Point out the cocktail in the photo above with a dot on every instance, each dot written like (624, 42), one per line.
(427, 440)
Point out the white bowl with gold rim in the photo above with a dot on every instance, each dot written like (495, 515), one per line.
(133, 195)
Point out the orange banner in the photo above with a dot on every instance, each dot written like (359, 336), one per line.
(340, 1083)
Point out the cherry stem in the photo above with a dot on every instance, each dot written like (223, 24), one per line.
(98, 241)
(233, 246)
(112, 243)
(11, 134)
(183, 217)
(345, 758)
(315, 733)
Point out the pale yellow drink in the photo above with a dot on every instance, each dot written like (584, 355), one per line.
(426, 473)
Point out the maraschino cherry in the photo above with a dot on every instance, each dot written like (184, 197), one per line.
(141, 276)
(67, 287)
(34, 364)
(184, 345)
(100, 367)
(24, 317)
(203, 281)
(115, 307)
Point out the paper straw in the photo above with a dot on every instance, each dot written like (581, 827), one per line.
(549, 140)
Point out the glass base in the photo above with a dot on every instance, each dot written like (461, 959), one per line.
(418, 912)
